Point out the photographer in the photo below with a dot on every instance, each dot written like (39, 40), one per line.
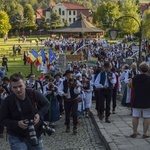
(21, 115)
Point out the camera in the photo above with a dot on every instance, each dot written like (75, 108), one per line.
(109, 74)
(47, 129)
(32, 133)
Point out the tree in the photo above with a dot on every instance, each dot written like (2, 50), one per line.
(29, 14)
(56, 20)
(146, 23)
(129, 24)
(107, 13)
(66, 23)
(19, 21)
(4, 23)
(17, 15)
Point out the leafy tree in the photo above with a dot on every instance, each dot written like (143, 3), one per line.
(146, 23)
(4, 23)
(56, 20)
(29, 14)
(107, 13)
(19, 21)
(66, 23)
(129, 24)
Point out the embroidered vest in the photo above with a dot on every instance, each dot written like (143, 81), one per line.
(72, 94)
(103, 78)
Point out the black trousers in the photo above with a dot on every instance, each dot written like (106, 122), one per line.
(1, 129)
(71, 107)
(114, 96)
(60, 100)
(105, 95)
(96, 92)
(5, 65)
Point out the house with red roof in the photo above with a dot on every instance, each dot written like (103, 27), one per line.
(69, 11)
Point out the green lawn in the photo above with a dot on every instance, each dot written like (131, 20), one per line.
(15, 63)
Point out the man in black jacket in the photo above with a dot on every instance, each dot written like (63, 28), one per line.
(18, 107)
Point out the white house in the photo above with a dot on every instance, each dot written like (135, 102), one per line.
(69, 11)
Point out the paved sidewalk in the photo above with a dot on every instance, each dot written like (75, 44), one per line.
(116, 135)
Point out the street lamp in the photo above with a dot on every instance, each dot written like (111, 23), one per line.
(113, 32)
(30, 33)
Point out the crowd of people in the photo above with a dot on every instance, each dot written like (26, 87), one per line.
(53, 94)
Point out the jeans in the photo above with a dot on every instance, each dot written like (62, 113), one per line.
(23, 143)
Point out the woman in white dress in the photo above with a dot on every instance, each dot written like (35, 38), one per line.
(87, 88)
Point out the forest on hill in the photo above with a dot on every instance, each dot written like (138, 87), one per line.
(91, 4)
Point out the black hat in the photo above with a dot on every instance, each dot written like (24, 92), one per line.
(67, 72)
(5, 79)
(58, 74)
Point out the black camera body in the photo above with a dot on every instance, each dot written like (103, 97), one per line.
(32, 133)
(46, 129)
(109, 74)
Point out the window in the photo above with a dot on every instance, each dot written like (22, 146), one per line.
(63, 12)
(74, 19)
(59, 11)
(63, 20)
(69, 19)
(74, 12)
(69, 12)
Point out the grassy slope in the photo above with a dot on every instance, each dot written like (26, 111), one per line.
(15, 63)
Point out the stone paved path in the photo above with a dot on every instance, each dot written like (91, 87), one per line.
(87, 138)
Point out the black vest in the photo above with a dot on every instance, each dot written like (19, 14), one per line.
(72, 94)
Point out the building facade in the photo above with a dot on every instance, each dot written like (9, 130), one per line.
(69, 11)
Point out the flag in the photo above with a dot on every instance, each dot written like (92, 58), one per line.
(34, 53)
(55, 58)
(51, 56)
(38, 61)
(43, 55)
(32, 56)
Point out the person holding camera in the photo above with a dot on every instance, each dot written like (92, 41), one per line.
(105, 82)
(21, 112)
(70, 90)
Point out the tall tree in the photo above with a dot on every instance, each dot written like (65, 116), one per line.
(146, 23)
(130, 21)
(29, 14)
(56, 20)
(107, 13)
(4, 23)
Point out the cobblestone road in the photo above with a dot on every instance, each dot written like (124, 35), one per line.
(86, 139)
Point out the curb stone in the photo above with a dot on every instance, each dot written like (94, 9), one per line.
(108, 143)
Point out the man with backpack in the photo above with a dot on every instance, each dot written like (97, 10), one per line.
(21, 112)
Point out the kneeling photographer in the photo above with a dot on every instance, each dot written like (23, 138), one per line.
(21, 112)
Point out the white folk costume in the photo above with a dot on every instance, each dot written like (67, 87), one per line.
(124, 79)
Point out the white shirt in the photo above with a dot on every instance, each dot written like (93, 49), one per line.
(98, 78)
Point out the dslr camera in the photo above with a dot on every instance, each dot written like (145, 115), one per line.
(46, 129)
(31, 131)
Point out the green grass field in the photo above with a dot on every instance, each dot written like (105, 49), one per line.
(15, 63)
